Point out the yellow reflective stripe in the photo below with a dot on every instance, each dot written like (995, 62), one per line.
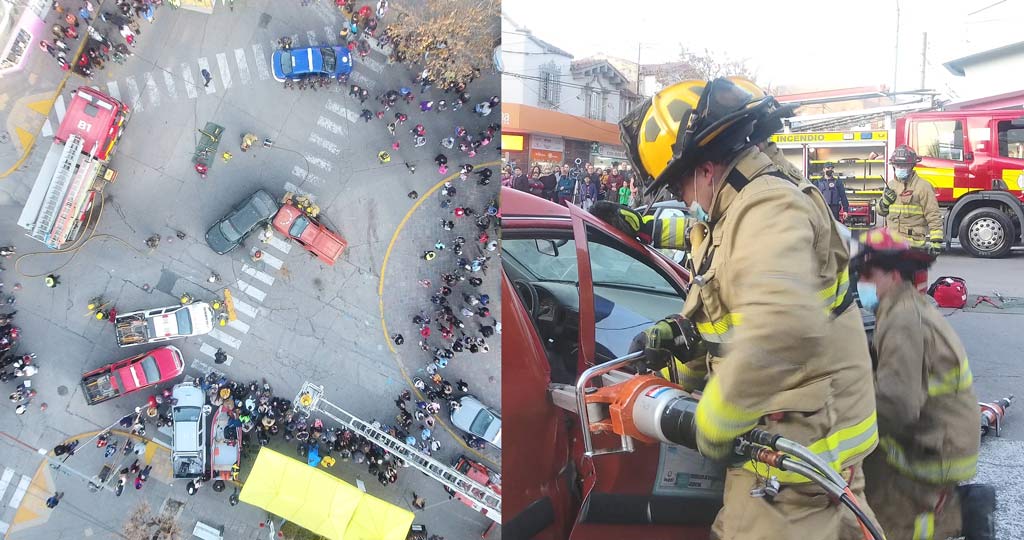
(833, 295)
(924, 526)
(835, 449)
(672, 233)
(935, 471)
(718, 421)
(631, 219)
(913, 209)
(955, 380)
(935, 235)
(686, 373)
(721, 326)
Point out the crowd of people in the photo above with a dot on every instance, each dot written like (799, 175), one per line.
(15, 365)
(100, 47)
(582, 186)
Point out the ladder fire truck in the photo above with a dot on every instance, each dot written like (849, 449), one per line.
(310, 400)
(75, 169)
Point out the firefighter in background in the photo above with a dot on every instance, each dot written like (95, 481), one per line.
(913, 210)
(927, 411)
(785, 344)
(834, 192)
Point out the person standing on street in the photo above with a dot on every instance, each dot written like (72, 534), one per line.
(588, 192)
(51, 280)
(54, 499)
(913, 211)
(927, 410)
(564, 185)
(834, 191)
(548, 182)
(519, 180)
(783, 345)
(207, 78)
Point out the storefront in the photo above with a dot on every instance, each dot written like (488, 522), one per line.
(531, 135)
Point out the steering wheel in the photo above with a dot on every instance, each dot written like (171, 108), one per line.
(531, 292)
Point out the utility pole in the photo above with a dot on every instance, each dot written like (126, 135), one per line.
(638, 45)
(924, 57)
(896, 55)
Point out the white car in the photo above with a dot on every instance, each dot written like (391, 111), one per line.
(475, 418)
(188, 437)
(163, 324)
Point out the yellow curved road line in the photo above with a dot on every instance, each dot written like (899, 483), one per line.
(384, 324)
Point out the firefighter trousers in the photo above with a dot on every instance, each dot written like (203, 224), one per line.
(907, 508)
(801, 511)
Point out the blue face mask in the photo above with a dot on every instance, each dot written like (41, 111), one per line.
(902, 174)
(697, 211)
(868, 295)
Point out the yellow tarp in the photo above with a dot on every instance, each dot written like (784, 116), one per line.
(320, 502)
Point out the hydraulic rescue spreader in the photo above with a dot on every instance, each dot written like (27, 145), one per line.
(650, 409)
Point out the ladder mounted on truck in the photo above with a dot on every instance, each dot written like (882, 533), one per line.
(310, 399)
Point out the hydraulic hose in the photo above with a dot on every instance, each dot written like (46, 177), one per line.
(778, 442)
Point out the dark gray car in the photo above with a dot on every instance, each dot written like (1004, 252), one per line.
(231, 230)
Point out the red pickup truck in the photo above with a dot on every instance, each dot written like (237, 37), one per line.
(309, 233)
(132, 374)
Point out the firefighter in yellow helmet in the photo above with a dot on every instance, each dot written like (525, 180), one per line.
(782, 342)
(927, 411)
(912, 208)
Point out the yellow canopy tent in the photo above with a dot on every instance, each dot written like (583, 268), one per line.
(320, 502)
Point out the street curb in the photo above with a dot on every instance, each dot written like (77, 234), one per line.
(30, 144)
(384, 325)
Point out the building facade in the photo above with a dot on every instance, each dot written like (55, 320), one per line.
(21, 28)
(556, 110)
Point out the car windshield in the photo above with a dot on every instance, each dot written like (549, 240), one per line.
(330, 59)
(184, 321)
(186, 414)
(228, 230)
(299, 226)
(150, 369)
(483, 420)
(547, 260)
(287, 63)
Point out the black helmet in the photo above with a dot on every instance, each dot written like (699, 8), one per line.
(830, 165)
(904, 155)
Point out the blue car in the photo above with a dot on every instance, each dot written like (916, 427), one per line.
(295, 64)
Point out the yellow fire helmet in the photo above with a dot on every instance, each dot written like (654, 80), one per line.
(689, 122)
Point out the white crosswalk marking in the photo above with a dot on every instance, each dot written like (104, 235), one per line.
(262, 71)
(260, 276)
(288, 186)
(242, 327)
(326, 145)
(6, 481)
(320, 162)
(311, 36)
(19, 493)
(172, 89)
(244, 308)
(272, 261)
(363, 81)
(211, 351)
(114, 90)
(205, 64)
(47, 128)
(327, 124)
(133, 94)
(60, 107)
(373, 64)
(330, 33)
(225, 338)
(252, 291)
(340, 110)
(301, 174)
(280, 244)
(243, 66)
(4, 526)
(295, 40)
(190, 81)
(225, 72)
(154, 94)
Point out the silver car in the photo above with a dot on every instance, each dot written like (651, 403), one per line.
(188, 442)
(475, 418)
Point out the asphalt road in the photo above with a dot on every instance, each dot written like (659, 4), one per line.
(298, 319)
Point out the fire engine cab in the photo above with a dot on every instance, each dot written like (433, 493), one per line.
(974, 159)
(71, 175)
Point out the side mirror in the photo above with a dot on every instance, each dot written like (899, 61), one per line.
(981, 146)
(547, 247)
(1017, 122)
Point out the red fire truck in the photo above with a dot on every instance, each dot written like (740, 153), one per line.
(974, 159)
(75, 168)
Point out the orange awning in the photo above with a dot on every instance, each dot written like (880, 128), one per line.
(527, 119)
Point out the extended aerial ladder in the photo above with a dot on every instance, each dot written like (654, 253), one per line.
(310, 399)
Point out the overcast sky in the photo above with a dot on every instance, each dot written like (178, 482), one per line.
(824, 44)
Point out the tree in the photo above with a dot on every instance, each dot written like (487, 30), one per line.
(143, 524)
(704, 65)
(452, 39)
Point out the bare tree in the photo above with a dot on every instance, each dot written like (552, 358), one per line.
(452, 39)
(143, 524)
(704, 65)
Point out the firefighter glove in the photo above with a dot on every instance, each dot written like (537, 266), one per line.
(622, 218)
(888, 196)
(673, 337)
(934, 248)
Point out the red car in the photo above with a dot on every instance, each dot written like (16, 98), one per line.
(131, 374)
(309, 233)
